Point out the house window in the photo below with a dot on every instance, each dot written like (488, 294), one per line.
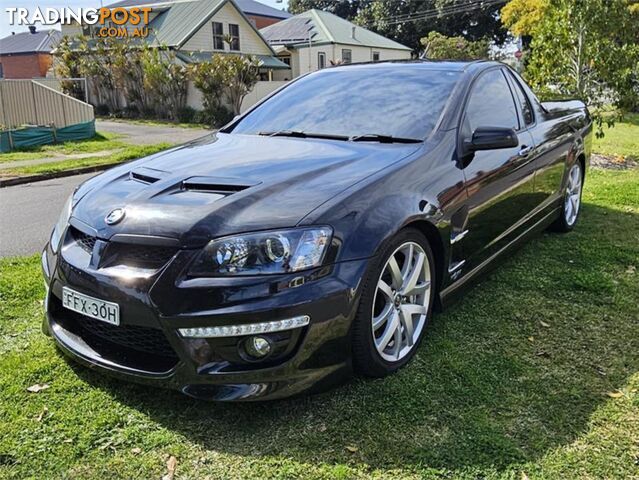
(321, 60)
(375, 56)
(286, 60)
(234, 33)
(347, 55)
(218, 36)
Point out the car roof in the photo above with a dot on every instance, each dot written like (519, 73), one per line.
(423, 64)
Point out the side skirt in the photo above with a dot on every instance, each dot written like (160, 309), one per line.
(448, 295)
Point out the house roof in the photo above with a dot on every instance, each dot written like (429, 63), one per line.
(26, 42)
(178, 21)
(250, 7)
(266, 61)
(324, 27)
(174, 25)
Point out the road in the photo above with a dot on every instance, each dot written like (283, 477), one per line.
(28, 213)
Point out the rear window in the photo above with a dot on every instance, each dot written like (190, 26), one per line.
(402, 102)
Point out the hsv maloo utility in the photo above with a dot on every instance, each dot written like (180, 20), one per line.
(313, 236)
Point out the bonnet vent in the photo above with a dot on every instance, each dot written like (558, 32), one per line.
(225, 186)
(146, 175)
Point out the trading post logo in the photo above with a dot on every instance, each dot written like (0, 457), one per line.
(104, 22)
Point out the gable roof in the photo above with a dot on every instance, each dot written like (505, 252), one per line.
(178, 21)
(247, 6)
(26, 42)
(324, 27)
(251, 7)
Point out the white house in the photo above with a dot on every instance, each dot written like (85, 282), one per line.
(314, 39)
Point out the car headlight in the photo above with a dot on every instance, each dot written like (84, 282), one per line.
(62, 223)
(277, 251)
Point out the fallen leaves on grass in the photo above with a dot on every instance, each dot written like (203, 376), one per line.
(615, 394)
(38, 387)
(544, 324)
(136, 450)
(352, 448)
(171, 465)
(44, 411)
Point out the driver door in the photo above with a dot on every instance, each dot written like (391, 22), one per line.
(499, 182)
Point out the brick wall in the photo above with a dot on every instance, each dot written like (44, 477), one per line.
(25, 66)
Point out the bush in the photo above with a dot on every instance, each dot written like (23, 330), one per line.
(214, 116)
(102, 110)
(186, 114)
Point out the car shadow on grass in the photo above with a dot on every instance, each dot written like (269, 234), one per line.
(512, 371)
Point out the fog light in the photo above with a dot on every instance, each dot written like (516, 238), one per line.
(257, 347)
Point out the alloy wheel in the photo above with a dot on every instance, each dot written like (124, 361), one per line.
(572, 200)
(401, 302)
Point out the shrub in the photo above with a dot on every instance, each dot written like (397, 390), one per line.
(186, 114)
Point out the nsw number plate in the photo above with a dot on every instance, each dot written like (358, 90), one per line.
(91, 307)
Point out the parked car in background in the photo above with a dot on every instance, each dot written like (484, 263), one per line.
(315, 234)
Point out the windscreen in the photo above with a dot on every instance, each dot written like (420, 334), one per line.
(399, 102)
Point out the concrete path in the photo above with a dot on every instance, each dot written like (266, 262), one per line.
(140, 134)
(28, 213)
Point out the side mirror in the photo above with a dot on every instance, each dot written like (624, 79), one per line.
(493, 138)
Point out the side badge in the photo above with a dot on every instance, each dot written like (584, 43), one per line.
(114, 216)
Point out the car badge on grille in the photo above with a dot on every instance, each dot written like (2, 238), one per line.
(114, 216)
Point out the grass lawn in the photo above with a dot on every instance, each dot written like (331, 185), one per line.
(127, 152)
(620, 140)
(99, 143)
(156, 122)
(534, 374)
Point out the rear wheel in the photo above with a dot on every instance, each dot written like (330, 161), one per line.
(395, 306)
(572, 200)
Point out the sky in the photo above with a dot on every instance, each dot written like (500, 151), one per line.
(6, 28)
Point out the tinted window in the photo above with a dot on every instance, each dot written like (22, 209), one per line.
(526, 109)
(347, 55)
(491, 103)
(403, 102)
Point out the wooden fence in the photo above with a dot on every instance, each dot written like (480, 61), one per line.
(28, 102)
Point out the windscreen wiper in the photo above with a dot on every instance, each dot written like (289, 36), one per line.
(301, 134)
(376, 137)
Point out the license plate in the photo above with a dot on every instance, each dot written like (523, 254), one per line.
(91, 307)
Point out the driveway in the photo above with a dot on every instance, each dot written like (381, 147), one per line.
(28, 213)
(140, 134)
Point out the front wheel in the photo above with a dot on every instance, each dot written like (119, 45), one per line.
(572, 201)
(395, 306)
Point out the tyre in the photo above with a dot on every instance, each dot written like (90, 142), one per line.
(569, 213)
(396, 303)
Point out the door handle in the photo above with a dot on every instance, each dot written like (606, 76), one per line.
(525, 150)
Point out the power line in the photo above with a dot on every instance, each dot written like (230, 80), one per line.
(437, 12)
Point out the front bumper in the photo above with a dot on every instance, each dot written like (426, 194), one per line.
(146, 348)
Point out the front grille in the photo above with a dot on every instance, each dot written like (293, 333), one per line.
(138, 256)
(143, 339)
(142, 348)
(85, 241)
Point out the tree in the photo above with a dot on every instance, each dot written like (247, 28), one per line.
(241, 74)
(438, 46)
(342, 8)
(165, 80)
(583, 48)
(209, 79)
(225, 79)
(408, 21)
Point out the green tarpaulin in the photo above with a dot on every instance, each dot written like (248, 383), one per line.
(34, 136)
